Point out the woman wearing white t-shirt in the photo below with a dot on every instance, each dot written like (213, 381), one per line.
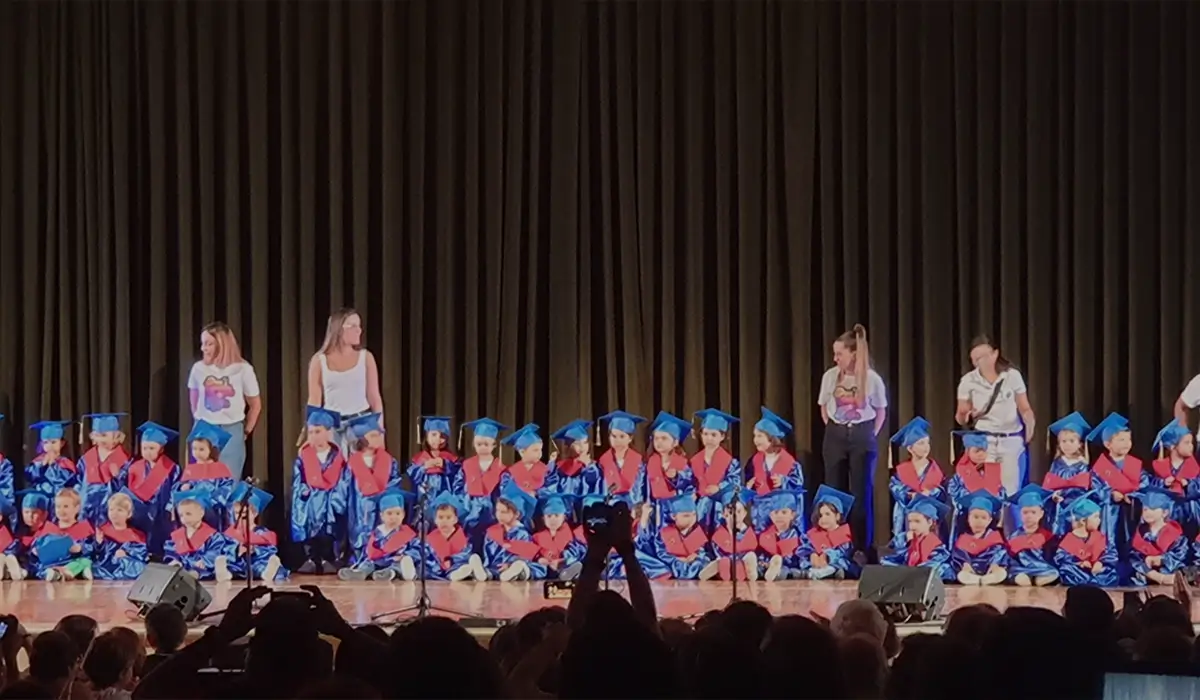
(993, 396)
(343, 377)
(223, 390)
(1189, 398)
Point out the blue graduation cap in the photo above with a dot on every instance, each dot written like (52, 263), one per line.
(523, 502)
(622, 421)
(319, 417)
(840, 500)
(912, 431)
(485, 427)
(217, 436)
(1106, 429)
(396, 498)
(683, 503)
(105, 422)
(574, 431)
(715, 419)
(781, 499)
(1074, 422)
(973, 439)
(772, 424)
(50, 429)
(258, 498)
(590, 499)
(363, 425)
(446, 498)
(672, 425)
(438, 423)
(556, 504)
(1031, 496)
(34, 499)
(53, 549)
(982, 500)
(727, 492)
(1170, 435)
(523, 437)
(1083, 507)
(201, 496)
(155, 433)
(929, 507)
(1156, 498)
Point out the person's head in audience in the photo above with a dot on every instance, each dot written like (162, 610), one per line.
(716, 663)
(109, 664)
(968, 625)
(747, 621)
(1024, 633)
(674, 631)
(503, 647)
(286, 652)
(1163, 645)
(864, 666)
(904, 675)
(859, 617)
(613, 655)
(1161, 611)
(1089, 609)
(165, 628)
(346, 663)
(80, 628)
(708, 618)
(52, 660)
(133, 647)
(800, 659)
(532, 626)
(447, 662)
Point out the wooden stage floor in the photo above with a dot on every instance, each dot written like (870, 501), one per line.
(39, 604)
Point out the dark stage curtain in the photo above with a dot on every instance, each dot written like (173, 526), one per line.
(551, 209)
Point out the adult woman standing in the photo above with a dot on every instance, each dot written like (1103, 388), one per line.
(223, 390)
(993, 398)
(343, 376)
(853, 402)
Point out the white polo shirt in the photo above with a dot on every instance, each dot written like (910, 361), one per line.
(1004, 417)
(839, 395)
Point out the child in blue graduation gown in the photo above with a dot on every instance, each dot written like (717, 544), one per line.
(623, 467)
(101, 465)
(509, 551)
(920, 544)
(828, 547)
(449, 547)
(321, 482)
(77, 563)
(10, 546)
(8, 490)
(1084, 555)
(149, 481)
(120, 553)
(432, 469)
(980, 556)
(972, 473)
(1114, 476)
(50, 471)
(205, 470)
(1179, 473)
(668, 473)
(713, 466)
(781, 543)
(735, 517)
(682, 545)
(394, 549)
(574, 472)
(35, 509)
(1069, 475)
(478, 481)
(196, 546)
(1029, 560)
(919, 475)
(558, 551)
(528, 471)
(372, 472)
(248, 504)
(1158, 548)
(772, 466)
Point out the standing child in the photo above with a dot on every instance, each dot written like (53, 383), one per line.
(828, 549)
(1029, 563)
(1114, 476)
(1069, 474)
(973, 473)
(248, 504)
(195, 546)
(735, 518)
(919, 475)
(476, 483)
(1179, 473)
(1158, 548)
(150, 480)
(1085, 557)
(574, 472)
(320, 492)
(558, 550)
(393, 549)
(667, 471)
(101, 465)
(449, 546)
(682, 545)
(773, 467)
(372, 472)
(50, 471)
(508, 548)
(980, 557)
(78, 562)
(432, 469)
(528, 471)
(920, 544)
(205, 470)
(121, 552)
(623, 468)
(713, 466)
(781, 542)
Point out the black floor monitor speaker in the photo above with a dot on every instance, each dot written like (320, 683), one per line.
(904, 593)
(161, 583)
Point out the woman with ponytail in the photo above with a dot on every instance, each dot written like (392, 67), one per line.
(853, 404)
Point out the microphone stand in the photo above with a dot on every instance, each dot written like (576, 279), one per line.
(249, 531)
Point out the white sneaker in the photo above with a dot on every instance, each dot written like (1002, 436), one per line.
(271, 569)
(51, 575)
(221, 570)
(461, 573)
(408, 570)
(774, 568)
(477, 567)
(1045, 579)
(751, 563)
(15, 571)
(710, 570)
(512, 571)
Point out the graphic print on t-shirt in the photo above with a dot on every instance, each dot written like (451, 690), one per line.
(217, 392)
(845, 399)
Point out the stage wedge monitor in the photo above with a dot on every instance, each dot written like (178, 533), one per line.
(161, 583)
(904, 593)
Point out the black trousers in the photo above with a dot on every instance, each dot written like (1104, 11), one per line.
(849, 452)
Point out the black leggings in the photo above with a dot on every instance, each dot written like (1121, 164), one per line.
(849, 452)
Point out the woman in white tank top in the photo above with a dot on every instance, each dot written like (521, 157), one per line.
(342, 376)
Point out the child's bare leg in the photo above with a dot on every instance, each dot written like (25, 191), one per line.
(1022, 580)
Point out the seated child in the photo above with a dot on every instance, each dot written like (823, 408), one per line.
(558, 550)
(1179, 473)
(919, 475)
(682, 545)
(972, 473)
(78, 562)
(448, 543)
(50, 471)
(528, 472)
(1069, 474)
(35, 507)
(10, 546)
(980, 557)
(433, 468)
(120, 552)
(920, 544)
(101, 465)
(373, 471)
(248, 504)
(195, 545)
(781, 542)
(734, 517)
(393, 548)
(509, 551)
(713, 466)
(320, 489)
(1084, 556)
(206, 471)
(573, 471)
(1114, 475)
(1158, 548)
(478, 479)
(828, 547)
(150, 481)
(1029, 563)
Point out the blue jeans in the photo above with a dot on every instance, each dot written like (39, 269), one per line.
(234, 454)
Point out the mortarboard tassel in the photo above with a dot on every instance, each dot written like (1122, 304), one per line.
(460, 432)
(598, 434)
(891, 463)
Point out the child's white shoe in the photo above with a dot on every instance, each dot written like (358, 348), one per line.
(774, 568)
(221, 570)
(1045, 579)
(710, 570)
(1022, 580)
(271, 569)
(408, 570)
(477, 567)
(52, 575)
(751, 563)
(86, 574)
(461, 573)
(15, 571)
(512, 571)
